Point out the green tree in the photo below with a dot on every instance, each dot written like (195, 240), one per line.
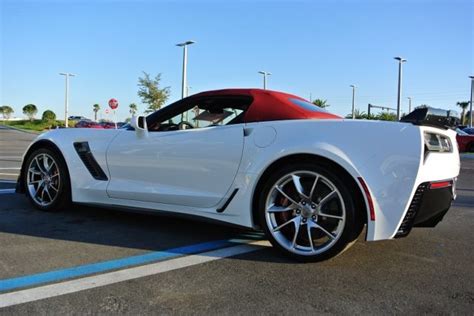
(133, 108)
(151, 93)
(321, 103)
(386, 116)
(30, 110)
(95, 108)
(6, 111)
(358, 115)
(463, 106)
(48, 116)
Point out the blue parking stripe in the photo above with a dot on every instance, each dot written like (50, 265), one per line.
(88, 269)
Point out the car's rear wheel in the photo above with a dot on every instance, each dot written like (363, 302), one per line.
(46, 180)
(307, 212)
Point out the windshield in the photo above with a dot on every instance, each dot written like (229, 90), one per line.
(461, 132)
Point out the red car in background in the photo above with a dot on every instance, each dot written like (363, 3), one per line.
(107, 125)
(112, 124)
(465, 141)
(87, 124)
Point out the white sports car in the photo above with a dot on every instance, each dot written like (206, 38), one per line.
(259, 159)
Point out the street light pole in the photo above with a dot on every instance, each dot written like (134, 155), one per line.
(66, 100)
(184, 83)
(399, 96)
(184, 45)
(265, 74)
(470, 103)
(409, 104)
(353, 100)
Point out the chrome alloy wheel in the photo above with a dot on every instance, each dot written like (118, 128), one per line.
(305, 213)
(43, 179)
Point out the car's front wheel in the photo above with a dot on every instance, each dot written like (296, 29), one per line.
(307, 212)
(46, 180)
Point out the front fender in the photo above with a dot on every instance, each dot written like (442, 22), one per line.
(82, 182)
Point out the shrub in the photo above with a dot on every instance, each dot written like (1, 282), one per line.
(48, 116)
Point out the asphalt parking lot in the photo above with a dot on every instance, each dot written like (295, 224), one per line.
(81, 262)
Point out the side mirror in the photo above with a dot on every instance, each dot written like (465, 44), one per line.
(139, 124)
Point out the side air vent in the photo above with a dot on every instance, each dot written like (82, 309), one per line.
(409, 219)
(84, 152)
(231, 197)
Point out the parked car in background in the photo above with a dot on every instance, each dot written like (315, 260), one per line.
(107, 124)
(77, 118)
(465, 141)
(469, 130)
(88, 124)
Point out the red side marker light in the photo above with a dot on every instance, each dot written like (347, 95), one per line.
(369, 198)
(441, 184)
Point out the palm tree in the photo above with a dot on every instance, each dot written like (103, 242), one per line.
(133, 108)
(96, 108)
(358, 114)
(387, 116)
(321, 103)
(463, 106)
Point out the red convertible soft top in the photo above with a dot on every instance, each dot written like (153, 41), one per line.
(270, 105)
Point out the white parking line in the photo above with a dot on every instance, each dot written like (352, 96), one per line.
(68, 287)
(7, 191)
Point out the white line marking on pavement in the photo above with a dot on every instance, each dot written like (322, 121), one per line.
(7, 191)
(68, 287)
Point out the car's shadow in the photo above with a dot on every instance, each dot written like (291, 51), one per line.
(138, 231)
(147, 232)
(109, 227)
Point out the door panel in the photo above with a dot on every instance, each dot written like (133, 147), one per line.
(193, 167)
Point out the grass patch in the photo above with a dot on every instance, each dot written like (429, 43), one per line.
(34, 126)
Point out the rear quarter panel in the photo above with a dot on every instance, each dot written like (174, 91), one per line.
(386, 155)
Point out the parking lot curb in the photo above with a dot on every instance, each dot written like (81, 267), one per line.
(20, 130)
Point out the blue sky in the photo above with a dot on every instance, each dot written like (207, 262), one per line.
(311, 47)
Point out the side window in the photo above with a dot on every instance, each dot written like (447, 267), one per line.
(200, 113)
(217, 116)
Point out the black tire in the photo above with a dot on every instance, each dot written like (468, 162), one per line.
(62, 198)
(353, 224)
